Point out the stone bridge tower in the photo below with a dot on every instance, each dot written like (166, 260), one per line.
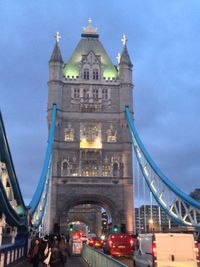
(92, 158)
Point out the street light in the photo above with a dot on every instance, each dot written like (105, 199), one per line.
(151, 224)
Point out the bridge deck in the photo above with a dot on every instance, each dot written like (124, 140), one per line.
(71, 262)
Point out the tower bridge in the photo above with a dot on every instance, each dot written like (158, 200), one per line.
(92, 162)
(89, 164)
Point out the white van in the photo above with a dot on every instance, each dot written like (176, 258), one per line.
(166, 250)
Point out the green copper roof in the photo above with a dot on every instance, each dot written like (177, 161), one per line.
(85, 46)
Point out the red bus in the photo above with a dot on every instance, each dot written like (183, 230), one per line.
(119, 245)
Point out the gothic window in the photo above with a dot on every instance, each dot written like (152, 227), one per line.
(106, 170)
(105, 94)
(95, 94)
(94, 170)
(90, 135)
(85, 172)
(95, 74)
(69, 134)
(111, 135)
(91, 132)
(69, 167)
(115, 169)
(76, 93)
(86, 74)
(85, 94)
(65, 168)
(90, 169)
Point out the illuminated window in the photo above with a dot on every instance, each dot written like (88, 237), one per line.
(76, 93)
(94, 171)
(85, 172)
(111, 135)
(95, 94)
(69, 134)
(90, 170)
(95, 74)
(105, 94)
(86, 74)
(90, 136)
(106, 170)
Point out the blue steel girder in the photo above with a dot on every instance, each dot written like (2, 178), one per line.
(180, 207)
(11, 205)
(39, 200)
(5, 157)
(12, 217)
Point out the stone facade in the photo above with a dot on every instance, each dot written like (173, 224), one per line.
(92, 158)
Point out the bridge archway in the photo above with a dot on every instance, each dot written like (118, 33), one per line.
(97, 202)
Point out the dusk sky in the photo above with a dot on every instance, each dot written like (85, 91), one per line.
(164, 46)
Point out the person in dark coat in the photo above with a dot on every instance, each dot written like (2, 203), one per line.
(34, 253)
(44, 248)
(63, 249)
(56, 259)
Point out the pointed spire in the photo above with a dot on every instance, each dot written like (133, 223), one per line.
(125, 58)
(56, 55)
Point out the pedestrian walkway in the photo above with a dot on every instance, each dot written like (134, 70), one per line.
(72, 262)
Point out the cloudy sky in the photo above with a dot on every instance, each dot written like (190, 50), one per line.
(163, 42)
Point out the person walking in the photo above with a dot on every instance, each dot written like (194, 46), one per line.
(56, 259)
(63, 249)
(34, 253)
(44, 249)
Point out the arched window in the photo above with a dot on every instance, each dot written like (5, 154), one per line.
(86, 74)
(95, 74)
(65, 168)
(115, 169)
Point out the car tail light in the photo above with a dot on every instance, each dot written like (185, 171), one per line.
(110, 243)
(131, 241)
(196, 250)
(91, 241)
(154, 251)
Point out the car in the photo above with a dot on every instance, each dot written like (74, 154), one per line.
(119, 245)
(166, 249)
(95, 242)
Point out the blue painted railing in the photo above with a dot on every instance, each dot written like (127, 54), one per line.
(13, 253)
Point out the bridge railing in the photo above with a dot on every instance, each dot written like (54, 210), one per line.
(12, 253)
(96, 258)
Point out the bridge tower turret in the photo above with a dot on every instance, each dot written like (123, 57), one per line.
(125, 67)
(55, 76)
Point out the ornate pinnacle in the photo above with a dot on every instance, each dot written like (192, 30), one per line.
(57, 36)
(124, 40)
